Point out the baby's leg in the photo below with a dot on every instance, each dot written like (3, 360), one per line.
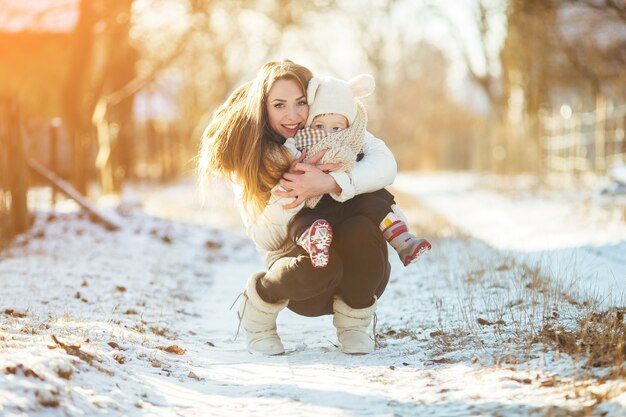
(377, 206)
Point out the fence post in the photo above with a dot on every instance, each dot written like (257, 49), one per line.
(17, 169)
(55, 124)
(599, 133)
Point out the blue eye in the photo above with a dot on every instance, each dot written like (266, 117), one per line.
(318, 126)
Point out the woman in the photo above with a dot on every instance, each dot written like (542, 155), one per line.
(244, 142)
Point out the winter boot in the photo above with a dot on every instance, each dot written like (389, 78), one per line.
(353, 326)
(258, 319)
(407, 245)
(316, 241)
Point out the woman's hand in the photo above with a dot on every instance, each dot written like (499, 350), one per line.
(308, 179)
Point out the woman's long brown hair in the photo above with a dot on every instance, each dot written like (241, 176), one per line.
(240, 145)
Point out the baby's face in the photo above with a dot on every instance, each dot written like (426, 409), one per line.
(330, 122)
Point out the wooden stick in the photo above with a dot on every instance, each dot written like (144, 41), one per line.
(63, 186)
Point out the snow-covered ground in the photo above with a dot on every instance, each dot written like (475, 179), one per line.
(137, 322)
(575, 232)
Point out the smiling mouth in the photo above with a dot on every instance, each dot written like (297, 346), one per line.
(292, 127)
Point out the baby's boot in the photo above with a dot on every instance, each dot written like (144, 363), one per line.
(316, 241)
(408, 246)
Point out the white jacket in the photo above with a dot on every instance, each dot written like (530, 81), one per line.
(268, 230)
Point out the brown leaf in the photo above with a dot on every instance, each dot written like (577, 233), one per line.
(119, 358)
(48, 398)
(483, 322)
(120, 288)
(521, 381)
(113, 345)
(172, 349)
(13, 370)
(65, 373)
(440, 361)
(13, 313)
(74, 351)
(209, 244)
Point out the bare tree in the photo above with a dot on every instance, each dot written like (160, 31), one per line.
(481, 68)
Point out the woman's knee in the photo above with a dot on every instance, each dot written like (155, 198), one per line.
(360, 232)
(329, 276)
(306, 281)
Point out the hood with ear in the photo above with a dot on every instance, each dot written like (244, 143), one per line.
(331, 95)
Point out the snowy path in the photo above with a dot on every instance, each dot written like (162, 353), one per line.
(169, 279)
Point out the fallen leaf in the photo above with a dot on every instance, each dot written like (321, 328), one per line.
(47, 398)
(13, 313)
(548, 382)
(74, 351)
(13, 370)
(172, 349)
(209, 244)
(65, 373)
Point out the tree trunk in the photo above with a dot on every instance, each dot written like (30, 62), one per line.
(75, 94)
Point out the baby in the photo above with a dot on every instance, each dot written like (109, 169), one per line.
(337, 122)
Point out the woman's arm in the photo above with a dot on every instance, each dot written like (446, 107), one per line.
(268, 229)
(308, 179)
(376, 170)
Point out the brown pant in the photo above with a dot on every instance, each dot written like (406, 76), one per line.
(358, 269)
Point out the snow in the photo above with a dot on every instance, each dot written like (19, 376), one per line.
(570, 233)
(170, 275)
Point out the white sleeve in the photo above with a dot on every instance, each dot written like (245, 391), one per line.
(376, 170)
(268, 229)
(290, 144)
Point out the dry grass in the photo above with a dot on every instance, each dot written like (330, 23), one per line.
(599, 340)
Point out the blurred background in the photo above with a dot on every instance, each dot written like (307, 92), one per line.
(95, 94)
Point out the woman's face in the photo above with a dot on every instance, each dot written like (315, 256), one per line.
(287, 109)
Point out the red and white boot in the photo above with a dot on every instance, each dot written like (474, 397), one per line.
(408, 246)
(316, 241)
